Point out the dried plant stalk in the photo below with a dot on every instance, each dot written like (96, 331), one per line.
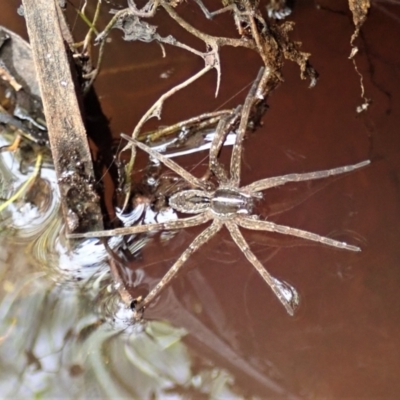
(67, 134)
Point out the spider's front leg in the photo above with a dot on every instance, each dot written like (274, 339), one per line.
(268, 183)
(225, 125)
(187, 176)
(236, 157)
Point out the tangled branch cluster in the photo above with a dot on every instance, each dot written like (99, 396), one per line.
(269, 38)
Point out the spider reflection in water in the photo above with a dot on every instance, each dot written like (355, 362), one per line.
(229, 205)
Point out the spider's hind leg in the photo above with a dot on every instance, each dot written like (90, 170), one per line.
(257, 225)
(286, 293)
(204, 237)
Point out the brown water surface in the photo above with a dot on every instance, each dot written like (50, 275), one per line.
(344, 341)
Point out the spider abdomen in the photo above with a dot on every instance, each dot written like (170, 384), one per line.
(227, 202)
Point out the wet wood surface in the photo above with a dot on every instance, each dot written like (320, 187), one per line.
(67, 133)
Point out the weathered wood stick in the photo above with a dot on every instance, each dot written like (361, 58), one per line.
(67, 133)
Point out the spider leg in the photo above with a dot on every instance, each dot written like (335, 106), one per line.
(167, 162)
(204, 237)
(250, 223)
(281, 180)
(236, 157)
(286, 294)
(225, 125)
(131, 230)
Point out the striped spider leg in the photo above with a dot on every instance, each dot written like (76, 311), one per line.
(229, 205)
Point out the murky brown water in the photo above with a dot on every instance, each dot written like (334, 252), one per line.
(237, 340)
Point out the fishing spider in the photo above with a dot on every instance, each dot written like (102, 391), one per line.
(229, 205)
